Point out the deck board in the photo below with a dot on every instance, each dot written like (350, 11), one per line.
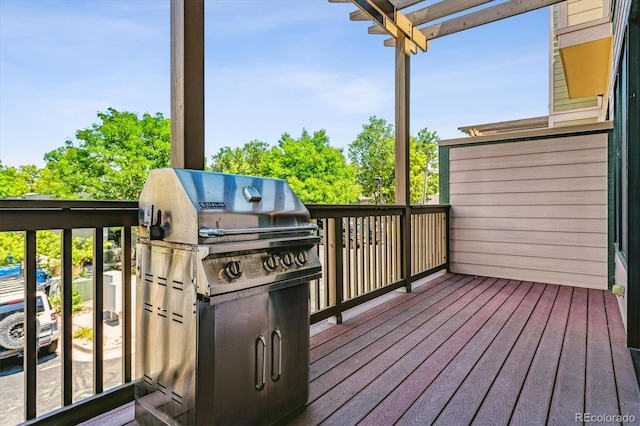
(469, 350)
(425, 334)
(428, 406)
(600, 385)
(499, 402)
(626, 384)
(374, 326)
(568, 393)
(535, 396)
(422, 360)
(446, 324)
(359, 359)
(463, 406)
(404, 395)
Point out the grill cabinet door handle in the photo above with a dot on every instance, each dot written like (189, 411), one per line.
(276, 333)
(263, 377)
(205, 232)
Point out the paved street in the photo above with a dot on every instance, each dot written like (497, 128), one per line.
(48, 385)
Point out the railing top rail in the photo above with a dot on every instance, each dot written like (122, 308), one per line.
(433, 207)
(341, 210)
(32, 215)
(67, 204)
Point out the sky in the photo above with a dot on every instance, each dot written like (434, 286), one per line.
(271, 67)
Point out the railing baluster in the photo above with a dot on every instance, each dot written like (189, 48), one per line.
(328, 258)
(127, 319)
(335, 267)
(98, 305)
(381, 264)
(30, 331)
(66, 280)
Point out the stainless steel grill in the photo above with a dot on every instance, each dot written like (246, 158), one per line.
(224, 265)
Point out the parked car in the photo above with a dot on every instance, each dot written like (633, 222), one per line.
(12, 324)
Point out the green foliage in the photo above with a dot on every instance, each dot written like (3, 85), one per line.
(247, 160)
(317, 172)
(76, 302)
(48, 248)
(15, 182)
(112, 160)
(373, 153)
(83, 333)
(11, 244)
(423, 160)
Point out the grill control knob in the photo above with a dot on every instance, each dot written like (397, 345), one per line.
(287, 260)
(270, 263)
(302, 258)
(233, 270)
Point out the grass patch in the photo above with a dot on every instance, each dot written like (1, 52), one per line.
(83, 333)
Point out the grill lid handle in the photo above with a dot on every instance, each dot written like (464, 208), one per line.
(205, 232)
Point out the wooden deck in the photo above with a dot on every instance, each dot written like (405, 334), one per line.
(461, 350)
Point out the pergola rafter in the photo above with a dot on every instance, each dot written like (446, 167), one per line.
(443, 9)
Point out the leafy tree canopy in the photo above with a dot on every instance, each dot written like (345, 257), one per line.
(15, 182)
(317, 172)
(423, 157)
(247, 160)
(48, 247)
(373, 154)
(112, 159)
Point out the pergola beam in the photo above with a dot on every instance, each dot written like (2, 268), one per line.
(359, 15)
(378, 10)
(436, 11)
(389, 19)
(481, 17)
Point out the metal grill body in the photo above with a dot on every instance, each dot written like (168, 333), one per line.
(224, 265)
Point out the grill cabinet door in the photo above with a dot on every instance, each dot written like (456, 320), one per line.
(239, 352)
(288, 338)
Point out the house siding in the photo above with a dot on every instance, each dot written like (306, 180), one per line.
(561, 101)
(576, 122)
(580, 11)
(532, 210)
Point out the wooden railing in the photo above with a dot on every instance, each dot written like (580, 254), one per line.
(361, 252)
(29, 216)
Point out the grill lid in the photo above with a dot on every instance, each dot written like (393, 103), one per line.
(196, 207)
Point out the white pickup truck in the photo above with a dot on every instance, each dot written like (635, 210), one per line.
(12, 324)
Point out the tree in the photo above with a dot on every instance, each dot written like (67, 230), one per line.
(113, 158)
(15, 182)
(424, 164)
(48, 248)
(243, 161)
(317, 172)
(373, 153)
